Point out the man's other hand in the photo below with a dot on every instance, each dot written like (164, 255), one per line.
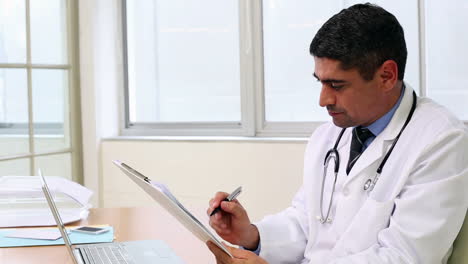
(240, 256)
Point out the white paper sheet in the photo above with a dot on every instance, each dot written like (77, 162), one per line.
(34, 233)
(22, 202)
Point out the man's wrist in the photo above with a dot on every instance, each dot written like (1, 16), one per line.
(252, 244)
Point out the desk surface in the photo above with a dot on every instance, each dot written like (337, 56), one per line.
(129, 224)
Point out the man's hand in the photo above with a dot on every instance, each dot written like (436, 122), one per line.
(232, 222)
(240, 256)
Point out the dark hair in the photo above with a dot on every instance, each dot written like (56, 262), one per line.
(362, 36)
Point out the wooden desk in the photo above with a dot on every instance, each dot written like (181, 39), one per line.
(129, 224)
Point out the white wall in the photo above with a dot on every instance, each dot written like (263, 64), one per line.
(100, 80)
(269, 172)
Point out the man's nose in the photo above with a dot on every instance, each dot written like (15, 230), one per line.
(326, 96)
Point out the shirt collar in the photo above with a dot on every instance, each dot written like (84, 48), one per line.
(380, 124)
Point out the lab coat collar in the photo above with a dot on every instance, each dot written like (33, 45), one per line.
(377, 149)
(398, 120)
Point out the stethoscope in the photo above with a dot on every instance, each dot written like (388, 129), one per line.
(369, 185)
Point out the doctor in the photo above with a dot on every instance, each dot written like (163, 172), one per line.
(384, 182)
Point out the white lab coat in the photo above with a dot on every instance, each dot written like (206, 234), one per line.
(414, 213)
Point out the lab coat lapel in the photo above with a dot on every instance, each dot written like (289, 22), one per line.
(378, 148)
(374, 152)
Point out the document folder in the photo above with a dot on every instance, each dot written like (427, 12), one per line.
(167, 200)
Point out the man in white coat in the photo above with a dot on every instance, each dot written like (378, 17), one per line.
(394, 188)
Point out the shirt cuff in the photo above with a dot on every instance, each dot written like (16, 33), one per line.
(255, 251)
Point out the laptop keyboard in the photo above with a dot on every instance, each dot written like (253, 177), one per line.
(104, 254)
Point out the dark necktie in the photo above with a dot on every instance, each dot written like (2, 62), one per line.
(360, 135)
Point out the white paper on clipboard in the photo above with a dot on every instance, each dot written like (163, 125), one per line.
(166, 199)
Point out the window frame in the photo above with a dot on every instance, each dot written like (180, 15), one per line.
(253, 122)
(72, 108)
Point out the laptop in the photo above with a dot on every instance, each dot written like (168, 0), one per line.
(132, 252)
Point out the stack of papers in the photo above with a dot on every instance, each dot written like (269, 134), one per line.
(22, 202)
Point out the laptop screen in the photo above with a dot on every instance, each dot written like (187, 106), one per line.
(55, 213)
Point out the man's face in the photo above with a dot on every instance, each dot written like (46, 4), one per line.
(349, 99)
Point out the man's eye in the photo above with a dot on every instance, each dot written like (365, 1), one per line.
(336, 86)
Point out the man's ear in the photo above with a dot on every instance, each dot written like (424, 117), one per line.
(388, 75)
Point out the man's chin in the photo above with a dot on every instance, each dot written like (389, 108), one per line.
(341, 123)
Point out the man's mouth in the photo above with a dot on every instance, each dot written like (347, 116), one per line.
(331, 113)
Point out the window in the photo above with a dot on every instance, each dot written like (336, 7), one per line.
(37, 88)
(240, 67)
(446, 61)
(175, 76)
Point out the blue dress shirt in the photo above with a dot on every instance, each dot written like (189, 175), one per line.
(380, 124)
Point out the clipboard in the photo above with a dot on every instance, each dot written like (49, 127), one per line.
(168, 201)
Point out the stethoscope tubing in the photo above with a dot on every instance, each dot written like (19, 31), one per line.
(370, 183)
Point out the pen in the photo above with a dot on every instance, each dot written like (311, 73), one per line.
(231, 197)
